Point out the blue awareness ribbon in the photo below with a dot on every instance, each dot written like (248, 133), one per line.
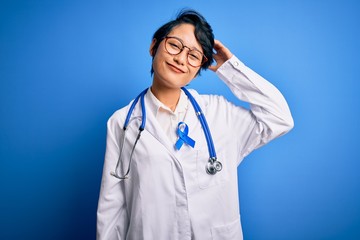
(182, 132)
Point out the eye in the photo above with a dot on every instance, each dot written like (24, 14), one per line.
(195, 55)
(174, 45)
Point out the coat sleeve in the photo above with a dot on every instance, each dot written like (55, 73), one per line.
(112, 219)
(269, 115)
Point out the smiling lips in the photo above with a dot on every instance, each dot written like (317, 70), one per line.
(175, 69)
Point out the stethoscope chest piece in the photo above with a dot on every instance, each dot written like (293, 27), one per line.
(213, 166)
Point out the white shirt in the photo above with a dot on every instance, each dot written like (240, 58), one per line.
(169, 195)
(167, 118)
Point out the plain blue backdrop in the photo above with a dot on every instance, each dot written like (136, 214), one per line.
(66, 66)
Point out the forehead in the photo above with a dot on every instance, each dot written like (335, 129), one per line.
(186, 32)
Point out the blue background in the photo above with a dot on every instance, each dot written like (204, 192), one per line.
(66, 66)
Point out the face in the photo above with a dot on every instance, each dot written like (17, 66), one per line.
(174, 71)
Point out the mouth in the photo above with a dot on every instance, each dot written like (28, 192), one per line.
(175, 69)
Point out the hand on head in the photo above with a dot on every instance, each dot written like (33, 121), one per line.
(221, 55)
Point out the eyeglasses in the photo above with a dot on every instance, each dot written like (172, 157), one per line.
(174, 46)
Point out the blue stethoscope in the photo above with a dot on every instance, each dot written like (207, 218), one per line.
(213, 165)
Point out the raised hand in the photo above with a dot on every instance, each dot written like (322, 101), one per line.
(221, 55)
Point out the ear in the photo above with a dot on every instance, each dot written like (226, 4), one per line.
(151, 50)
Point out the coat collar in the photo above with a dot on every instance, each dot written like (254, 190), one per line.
(153, 126)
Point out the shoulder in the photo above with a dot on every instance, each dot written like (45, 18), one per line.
(117, 118)
(218, 108)
(209, 100)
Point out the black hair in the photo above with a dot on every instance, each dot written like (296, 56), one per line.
(203, 33)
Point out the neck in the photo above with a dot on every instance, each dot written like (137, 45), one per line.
(169, 97)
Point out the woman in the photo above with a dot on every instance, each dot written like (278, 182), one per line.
(172, 184)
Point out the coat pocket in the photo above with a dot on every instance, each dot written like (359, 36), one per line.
(206, 180)
(231, 231)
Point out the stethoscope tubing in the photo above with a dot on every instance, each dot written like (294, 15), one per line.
(212, 166)
(141, 96)
(203, 122)
(143, 111)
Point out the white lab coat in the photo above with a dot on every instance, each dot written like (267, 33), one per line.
(169, 195)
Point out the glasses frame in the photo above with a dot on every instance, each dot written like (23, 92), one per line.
(204, 59)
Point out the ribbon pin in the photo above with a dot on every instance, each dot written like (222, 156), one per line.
(182, 132)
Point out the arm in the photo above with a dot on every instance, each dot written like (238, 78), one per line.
(112, 220)
(269, 116)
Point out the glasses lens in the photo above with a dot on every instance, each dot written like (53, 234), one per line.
(195, 58)
(173, 46)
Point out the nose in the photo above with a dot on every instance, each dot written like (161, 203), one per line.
(181, 58)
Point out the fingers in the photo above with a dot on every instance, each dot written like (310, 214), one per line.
(218, 55)
(221, 55)
(218, 45)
